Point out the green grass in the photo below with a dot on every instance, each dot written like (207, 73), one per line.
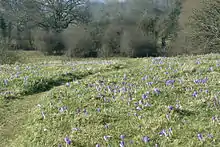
(118, 94)
(24, 79)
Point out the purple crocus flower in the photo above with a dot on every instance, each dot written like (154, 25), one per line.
(85, 111)
(98, 109)
(26, 78)
(67, 84)
(5, 82)
(147, 105)
(197, 81)
(16, 75)
(97, 145)
(200, 137)
(210, 136)
(156, 90)
(144, 96)
(170, 131)
(170, 82)
(122, 137)
(106, 137)
(140, 102)
(62, 109)
(129, 104)
(194, 94)
(105, 99)
(150, 83)
(170, 108)
(136, 104)
(146, 139)
(168, 116)
(75, 129)
(43, 115)
(163, 132)
(106, 126)
(138, 108)
(140, 117)
(213, 118)
(125, 77)
(67, 140)
(204, 80)
(122, 144)
(177, 106)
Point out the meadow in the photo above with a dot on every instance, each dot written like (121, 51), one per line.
(122, 102)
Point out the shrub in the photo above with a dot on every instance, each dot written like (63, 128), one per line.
(135, 43)
(125, 44)
(111, 40)
(48, 42)
(7, 57)
(77, 40)
(96, 33)
(39, 42)
(83, 40)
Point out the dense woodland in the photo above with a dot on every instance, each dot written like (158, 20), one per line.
(129, 28)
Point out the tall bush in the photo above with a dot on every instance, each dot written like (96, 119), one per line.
(48, 42)
(135, 43)
(111, 40)
(78, 41)
(7, 57)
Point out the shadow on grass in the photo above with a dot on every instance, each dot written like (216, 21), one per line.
(47, 84)
(183, 113)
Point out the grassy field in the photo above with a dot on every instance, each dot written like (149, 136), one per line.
(112, 102)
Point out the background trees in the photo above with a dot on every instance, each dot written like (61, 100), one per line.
(28, 18)
(205, 24)
(83, 28)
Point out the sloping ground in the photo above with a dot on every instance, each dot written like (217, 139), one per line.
(14, 115)
(27, 92)
(162, 101)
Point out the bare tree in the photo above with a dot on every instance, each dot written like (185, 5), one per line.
(47, 14)
(58, 14)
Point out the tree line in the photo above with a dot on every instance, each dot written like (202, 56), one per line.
(83, 28)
